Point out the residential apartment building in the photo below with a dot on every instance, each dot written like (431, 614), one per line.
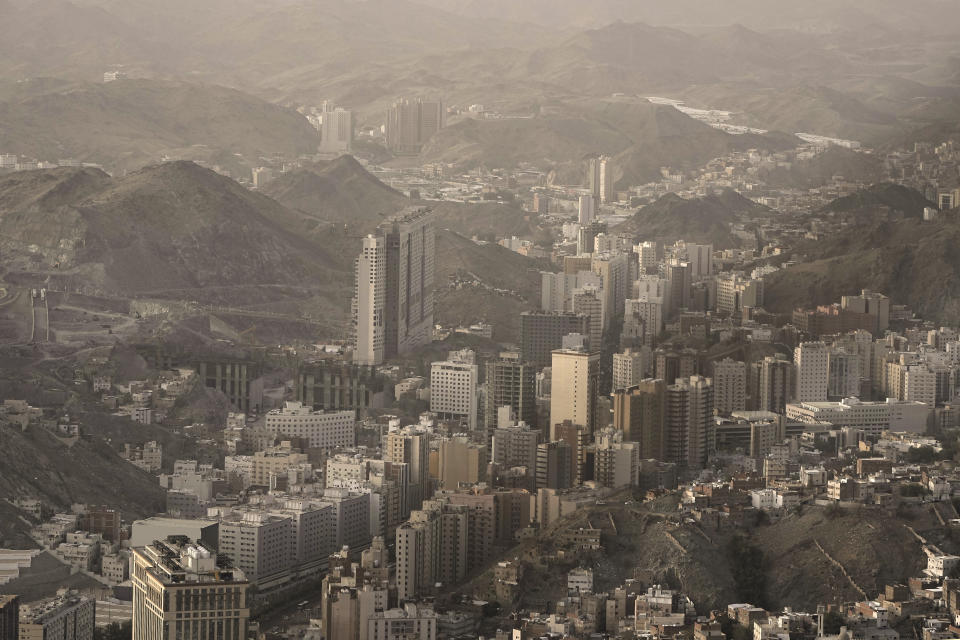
(510, 382)
(453, 389)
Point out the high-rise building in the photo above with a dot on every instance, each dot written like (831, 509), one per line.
(700, 258)
(647, 255)
(631, 366)
(670, 365)
(642, 321)
(66, 617)
(554, 465)
(411, 251)
(600, 178)
(616, 461)
(453, 390)
(9, 617)
(580, 440)
(351, 594)
(586, 211)
(678, 287)
(734, 292)
(541, 333)
(431, 547)
(587, 236)
(614, 272)
(393, 296)
(510, 382)
(461, 462)
(516, 446)
(729, 385)
(843, 374)
(574, 387)
(588, 301)
(640, 412)
(369, 302)
(182, 590)
(336, 130)
(776, 384)
(811, 361)
(689, 421)
(411, 447)
(411, 123)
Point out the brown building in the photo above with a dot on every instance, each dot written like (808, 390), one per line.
(9, 616)
(640, 413)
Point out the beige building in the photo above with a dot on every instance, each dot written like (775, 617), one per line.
(640, 413)
(461, 462)
(275, 461)
(431, 548)
(575, 385)
(179, 591)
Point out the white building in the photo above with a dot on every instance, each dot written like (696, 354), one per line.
(872, 417)
(369, 302)
(812, 362)
(322, 429)
(630, 367)
(453, 389)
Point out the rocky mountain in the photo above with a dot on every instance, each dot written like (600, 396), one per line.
(127, 124)
(706, 219)
(886, 247)
(174, 229)
(341, 192)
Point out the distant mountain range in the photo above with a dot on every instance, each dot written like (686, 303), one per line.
(642, 136)
(128, 124)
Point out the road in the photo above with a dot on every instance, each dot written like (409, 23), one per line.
(41, 322)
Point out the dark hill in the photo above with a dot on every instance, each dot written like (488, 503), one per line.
(893, 197)
(706, 219)
(340, 193)
(174, 227)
